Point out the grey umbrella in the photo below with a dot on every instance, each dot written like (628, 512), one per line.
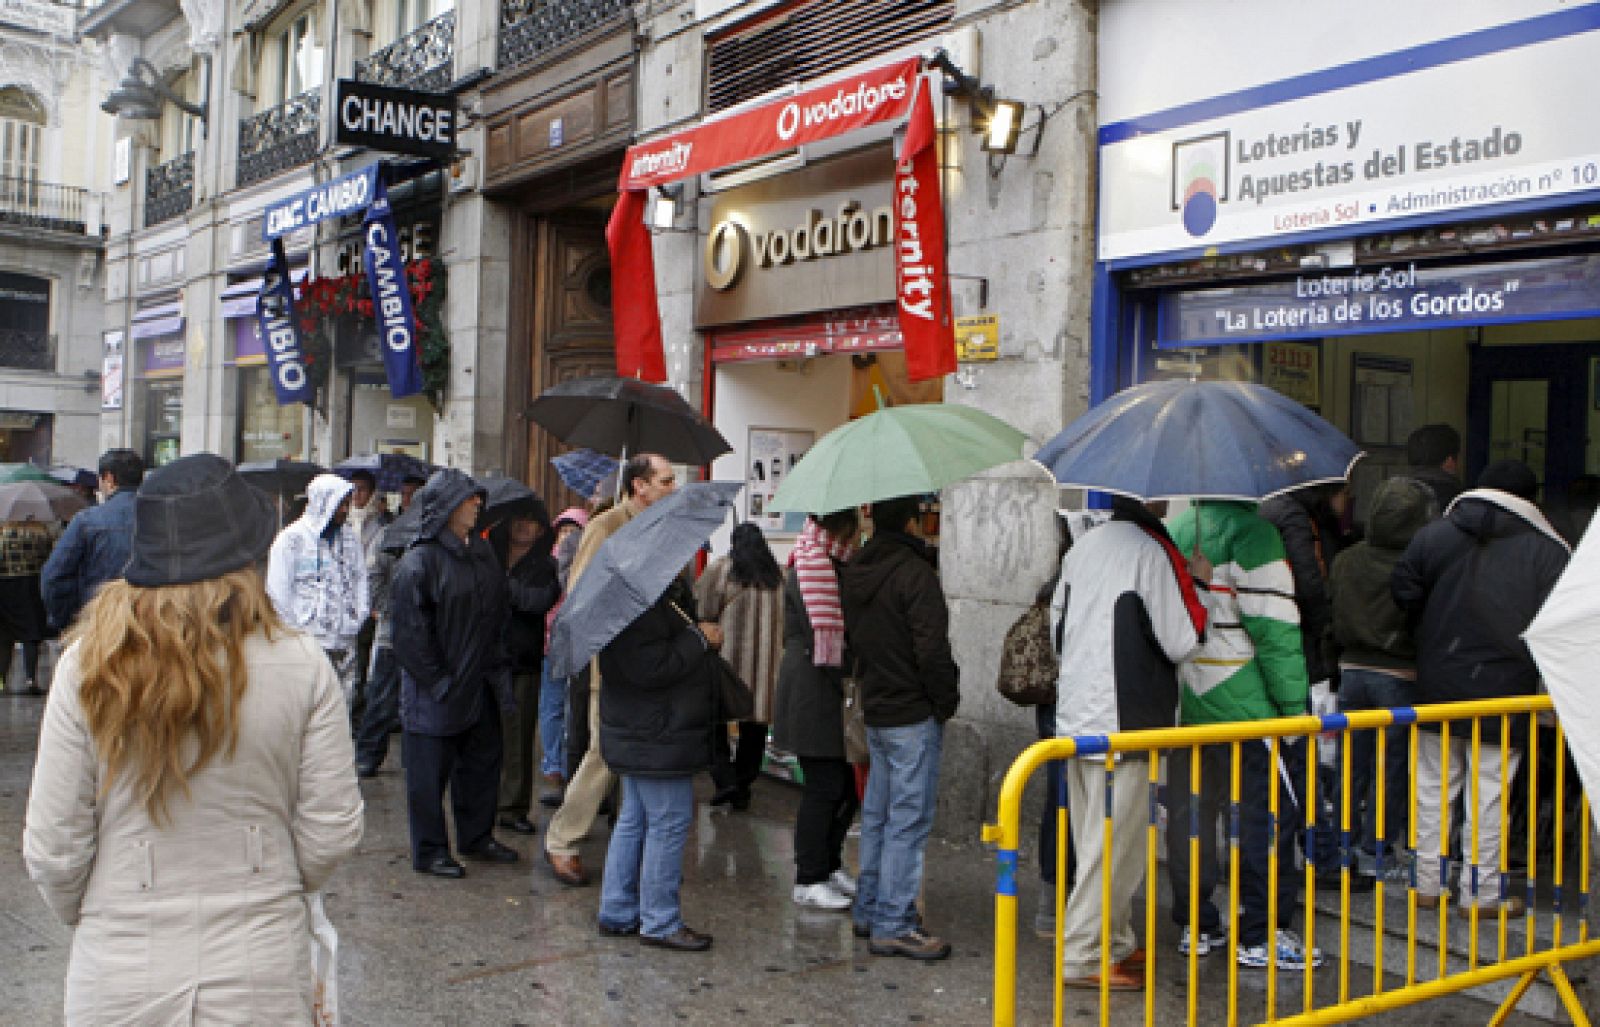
(633, 568)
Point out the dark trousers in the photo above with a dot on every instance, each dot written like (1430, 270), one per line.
(382, 712)
(518, 731)
(577, 720)
(1371, 690)
(739, 768)
(469, 763)
(1055, 798)
(363, 658)
(1255, 834)
(827, 807)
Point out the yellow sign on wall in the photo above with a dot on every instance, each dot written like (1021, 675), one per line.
(978, 338)
(1293, 368)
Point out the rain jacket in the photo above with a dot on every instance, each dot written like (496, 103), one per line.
(449, 607)
(93, 550)
(1472, 582)
(1371, 630)
(1251, 666)
(1121, 622)
(533, 591)
(656, 700)
(316, 584)
(898, 627)
(1311, 543)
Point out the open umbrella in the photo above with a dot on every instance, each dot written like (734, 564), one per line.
(403, 530)
(1566, 646)
(507, 497)
(900, 451)
(284, 479)
(82, 477)
(624, 415)
(1199, 440)
(633, 568)
(23, 472)
(38, 501)
(390, 469)
(583, 470)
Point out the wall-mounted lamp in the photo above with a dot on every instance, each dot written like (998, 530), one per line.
(143, 92)
(664, 210)
(998, 121)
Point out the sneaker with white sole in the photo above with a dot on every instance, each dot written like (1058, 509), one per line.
(1209, 938)
(843, 883)
(820, 896)
(1291, 954)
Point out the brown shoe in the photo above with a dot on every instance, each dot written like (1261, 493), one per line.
(1514, 906)
(1118, 980)
(567, 869)
(1427, 901)
(914, 944)
(1133, 964)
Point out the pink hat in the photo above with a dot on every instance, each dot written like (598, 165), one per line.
(574, 515)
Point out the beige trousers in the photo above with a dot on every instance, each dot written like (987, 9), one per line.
(1086, 799)
(1431, 788)
(587, 789)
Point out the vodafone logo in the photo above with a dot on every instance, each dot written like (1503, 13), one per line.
(788, 120)
(845, 103)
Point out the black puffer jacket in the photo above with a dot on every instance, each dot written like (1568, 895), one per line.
(655, 693)
(533, 589)
(1311, 541)
(1445, 486)
(449, 609)
(899, 630)
(1370, 629)
(1471, 584)
(807, 707)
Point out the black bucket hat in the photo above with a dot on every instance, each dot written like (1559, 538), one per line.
(195, 519)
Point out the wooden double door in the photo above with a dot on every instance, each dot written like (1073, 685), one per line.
(569, 335)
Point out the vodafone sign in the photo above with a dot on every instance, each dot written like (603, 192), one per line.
(882, 94)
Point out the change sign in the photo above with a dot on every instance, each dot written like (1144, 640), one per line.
(396, 120)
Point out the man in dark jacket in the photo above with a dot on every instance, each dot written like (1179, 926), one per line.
(898, 628)
(1308, 522)
(95, 546)
(1378, 657)
(655, 733)
(1472, 583)
(1434, 453)
(522, 545)
(449, 609)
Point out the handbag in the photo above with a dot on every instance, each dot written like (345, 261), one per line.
(854, 721)
(733, 697)
(1029, 664)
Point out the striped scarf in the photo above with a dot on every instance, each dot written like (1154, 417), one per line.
(812, 560)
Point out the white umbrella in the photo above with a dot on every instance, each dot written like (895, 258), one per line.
(1565, 641)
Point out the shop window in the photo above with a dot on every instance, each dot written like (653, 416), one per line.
(25, 322)
(267, 431)
(163, 421)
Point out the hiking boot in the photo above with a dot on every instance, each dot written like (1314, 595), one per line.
(914, 944)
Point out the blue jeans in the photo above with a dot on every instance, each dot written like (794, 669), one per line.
(552, 724)
(896, 816)
(1371, 690)
(644, 862)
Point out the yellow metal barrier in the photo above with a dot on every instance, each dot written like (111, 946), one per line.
(1466, 720)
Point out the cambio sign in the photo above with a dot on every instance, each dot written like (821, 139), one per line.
(1440, 128)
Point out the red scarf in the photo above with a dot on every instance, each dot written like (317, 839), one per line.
(812, 561)
(1186, 586)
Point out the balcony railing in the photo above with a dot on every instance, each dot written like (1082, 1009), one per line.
(29, 351)
(169, 189)
(33, 204)
(423, 59)
(279, 138)
(530, 28)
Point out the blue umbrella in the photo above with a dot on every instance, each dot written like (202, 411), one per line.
(583, 470)
(1199, 440)
(633, 568)
(389, 468)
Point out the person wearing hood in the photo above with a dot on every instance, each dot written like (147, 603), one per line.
(1378, 657)
(449, 605)
(381, 712)
(1471, 583)
(522, 545)
(897, 625)
(568, 530)
(317, 576)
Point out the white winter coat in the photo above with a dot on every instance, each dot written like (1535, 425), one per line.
(202, 920)
(317, 586)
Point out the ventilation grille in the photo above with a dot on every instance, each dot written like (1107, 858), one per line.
(811, 40)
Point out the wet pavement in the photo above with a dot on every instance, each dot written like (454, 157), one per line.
(509, 945)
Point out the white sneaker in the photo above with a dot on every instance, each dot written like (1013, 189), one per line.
(820, 896)
(1204, 941)
(843, 883)
(1291, 954)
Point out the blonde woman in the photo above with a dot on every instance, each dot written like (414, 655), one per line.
(195, 778)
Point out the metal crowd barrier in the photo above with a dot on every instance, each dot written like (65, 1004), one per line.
(1565, 913)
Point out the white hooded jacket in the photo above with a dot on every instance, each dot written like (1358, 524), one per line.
(318, 586)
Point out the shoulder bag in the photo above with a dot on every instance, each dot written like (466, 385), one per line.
(1028, 661)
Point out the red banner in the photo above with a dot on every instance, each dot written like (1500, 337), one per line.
(922, 289)
(882, 94)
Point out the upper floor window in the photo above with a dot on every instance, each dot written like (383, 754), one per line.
(411, 15)
(300, 56)
(22, 122)
(180, 131)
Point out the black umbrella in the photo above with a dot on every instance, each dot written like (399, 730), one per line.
(389, 469)
(624, 415)
(508, 497)
(403, 530)
(284, 479)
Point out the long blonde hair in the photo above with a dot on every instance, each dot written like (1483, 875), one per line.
(162, 665)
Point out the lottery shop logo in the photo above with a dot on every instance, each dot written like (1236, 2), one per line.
(1200, 180)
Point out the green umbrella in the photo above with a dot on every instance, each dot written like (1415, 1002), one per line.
(22, 472)
(901, 451)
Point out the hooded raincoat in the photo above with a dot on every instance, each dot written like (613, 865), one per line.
(317, 575)
(449, 608)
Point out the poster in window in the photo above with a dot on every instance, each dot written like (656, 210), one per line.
(111, 365)
(771, 454)
(1294, 370)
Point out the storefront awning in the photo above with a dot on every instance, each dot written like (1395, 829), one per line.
(813, 336)
(156, 321)
(240, 299)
